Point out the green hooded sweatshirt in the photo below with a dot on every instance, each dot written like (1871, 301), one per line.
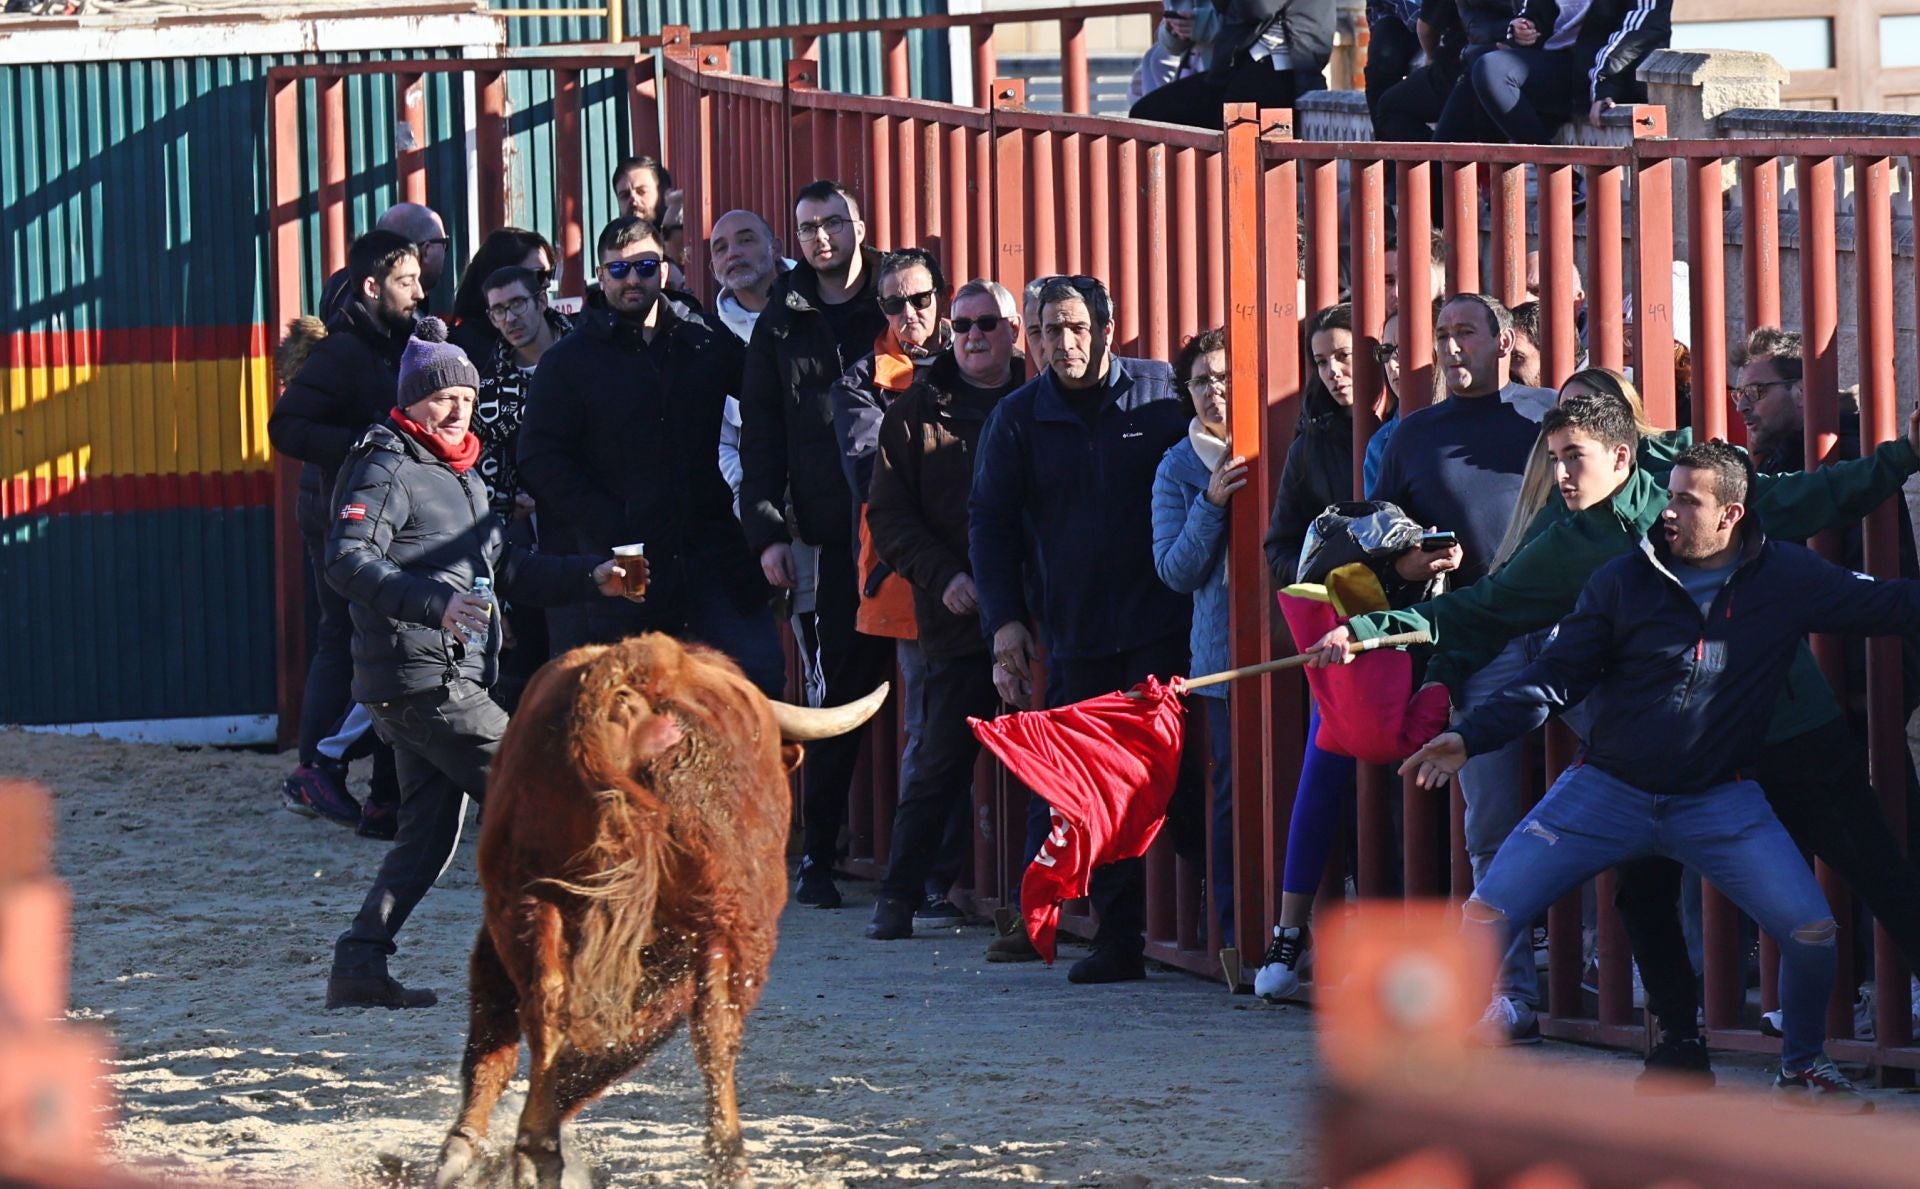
(1561, 549)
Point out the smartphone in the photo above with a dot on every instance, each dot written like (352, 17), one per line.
(1435, 542)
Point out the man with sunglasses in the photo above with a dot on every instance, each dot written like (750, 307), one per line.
(1063, 490)
(618, 444)
(823, 315)
(922, 474)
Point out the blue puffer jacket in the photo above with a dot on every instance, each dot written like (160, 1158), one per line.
(1190, 553)
(1681, 700)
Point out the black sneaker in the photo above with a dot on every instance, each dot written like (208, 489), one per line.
(1677, 1065)
(379, 820)
(1108, 966)
(815, 886)
(379, 990)
(892, 920)
(318, 791)
(1819, 1087)
(937, 911)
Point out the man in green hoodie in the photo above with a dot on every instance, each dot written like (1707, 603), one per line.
(1604, 506)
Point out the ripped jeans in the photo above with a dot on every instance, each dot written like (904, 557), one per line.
(1590, 821)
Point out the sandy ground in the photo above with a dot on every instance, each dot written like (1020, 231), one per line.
(204, 916)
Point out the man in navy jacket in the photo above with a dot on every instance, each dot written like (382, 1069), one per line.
(1680, 650)
(1063, 489)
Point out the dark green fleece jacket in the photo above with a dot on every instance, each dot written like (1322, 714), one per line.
(1561, 550)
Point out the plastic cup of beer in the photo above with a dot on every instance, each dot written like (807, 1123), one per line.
(632, 559)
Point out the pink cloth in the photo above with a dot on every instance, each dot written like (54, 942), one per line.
(1368, 709)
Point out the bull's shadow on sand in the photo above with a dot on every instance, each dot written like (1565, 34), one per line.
(204, 918)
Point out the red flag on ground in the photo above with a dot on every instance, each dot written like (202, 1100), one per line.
(1368, 708)
(1106, 768)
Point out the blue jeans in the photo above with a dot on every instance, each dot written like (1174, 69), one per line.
(1494, 788)
(1590, 821)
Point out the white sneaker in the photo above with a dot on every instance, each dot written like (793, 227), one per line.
(1507, 1022)
(1287, 960)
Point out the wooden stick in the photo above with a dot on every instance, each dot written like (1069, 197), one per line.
(1294, 662)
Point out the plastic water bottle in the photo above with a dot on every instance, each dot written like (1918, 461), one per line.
(483, 590)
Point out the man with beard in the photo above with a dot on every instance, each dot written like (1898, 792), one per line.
(640, 186)
(617, 446)
(346, 383)
(1063, 491)
(821, 316)
(1679, 649)
(420, 226)
(517, 309)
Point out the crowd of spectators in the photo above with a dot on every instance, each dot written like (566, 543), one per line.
(1481, 71)
(973, 489)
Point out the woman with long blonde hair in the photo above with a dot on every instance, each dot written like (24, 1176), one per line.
(1537, 485)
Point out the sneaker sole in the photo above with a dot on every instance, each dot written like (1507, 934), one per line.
(1800, 1100)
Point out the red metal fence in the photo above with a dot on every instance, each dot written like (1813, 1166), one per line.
(1194, 229)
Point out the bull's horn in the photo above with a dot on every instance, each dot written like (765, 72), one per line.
(803, 724)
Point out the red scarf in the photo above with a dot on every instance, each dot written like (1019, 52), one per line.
(461, 458)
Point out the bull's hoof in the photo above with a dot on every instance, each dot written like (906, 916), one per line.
(457, 1157)
(537, 1166)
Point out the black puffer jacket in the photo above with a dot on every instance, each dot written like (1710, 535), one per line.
(408, 534)
(347, 383)
(620, 442)
(1319, 472)
(786, 431)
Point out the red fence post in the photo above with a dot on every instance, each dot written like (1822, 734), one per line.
(643, 107)
(1707, 266)
(490, 147)
(1415, 181)
(1606, 284)
(1880, 422)
(570, 212)
(1009, 261)
(289, 554)
(1560, 343)
(893, 46)
(1076, 96)
(1820, 379)
(333, 174)
(1653, 286)
(1463, 228)
(410, 103)
(1507, 203)
(1760, 231)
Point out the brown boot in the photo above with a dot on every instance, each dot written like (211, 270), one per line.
(1013, 945)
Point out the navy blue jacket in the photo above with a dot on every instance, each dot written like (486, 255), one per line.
(1681, 700)
(1075, 502)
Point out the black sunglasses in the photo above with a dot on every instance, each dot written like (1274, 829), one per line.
(893, 306)
(988, 323)
(1382, 352)
(1084, 284)
(643, 268)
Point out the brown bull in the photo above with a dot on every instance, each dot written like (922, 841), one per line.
(633, 857)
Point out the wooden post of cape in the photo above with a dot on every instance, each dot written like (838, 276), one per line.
(1403, 640)
(1230, 966)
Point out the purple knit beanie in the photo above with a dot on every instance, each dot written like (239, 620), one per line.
(431, 363)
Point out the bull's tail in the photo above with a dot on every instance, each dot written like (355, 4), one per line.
(614, 731)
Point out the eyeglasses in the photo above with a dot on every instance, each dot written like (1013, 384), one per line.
(442, 241)
(832, 225)
(1749, 395)
(893, 307)
(1200, 385)
(670, 228)
(1384, 353)
(513, 307)
(643, 268)
(988, 323)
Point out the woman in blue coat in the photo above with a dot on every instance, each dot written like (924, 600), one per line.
(1196, 478)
